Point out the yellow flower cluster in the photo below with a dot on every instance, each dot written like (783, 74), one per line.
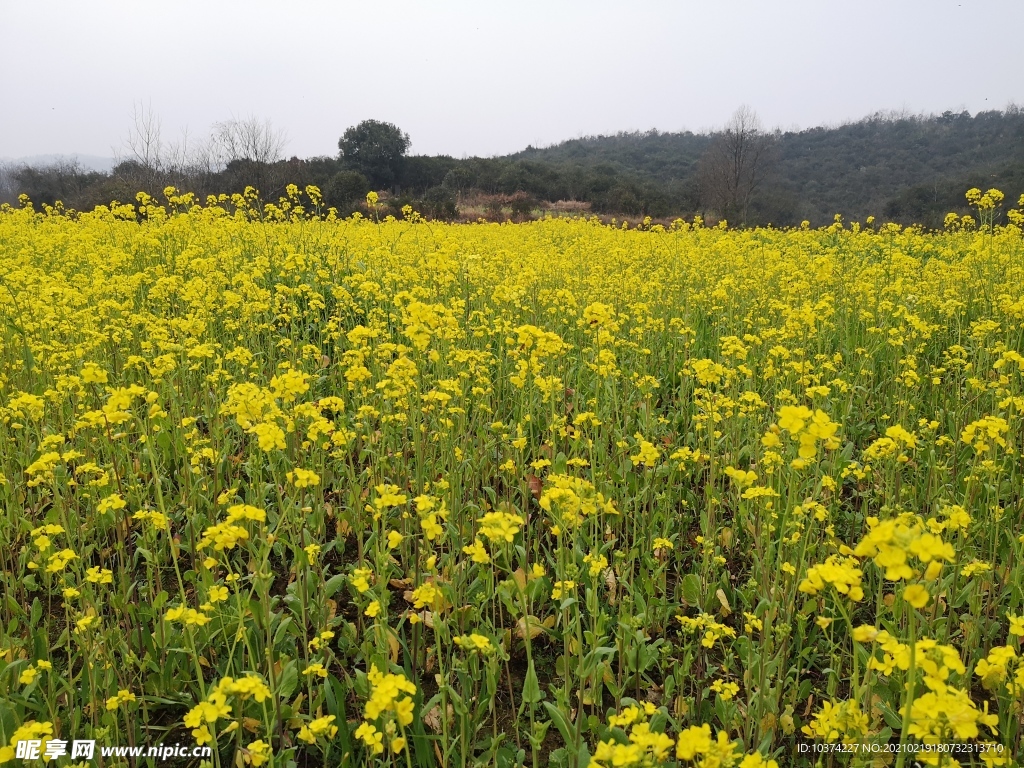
(390, 699)
(892, 543)
(500, 526)
(569, 499)
(810, 428)
(840, 572)
(216, 707)
(712, 630)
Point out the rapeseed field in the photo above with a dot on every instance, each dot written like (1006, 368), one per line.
(367, 491)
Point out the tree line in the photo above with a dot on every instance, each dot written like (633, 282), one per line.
(895, 166)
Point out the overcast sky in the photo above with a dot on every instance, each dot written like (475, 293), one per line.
(484, 78)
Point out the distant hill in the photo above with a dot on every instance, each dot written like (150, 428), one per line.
(666, 157)
(907, 168)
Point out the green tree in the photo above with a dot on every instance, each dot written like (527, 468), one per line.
(345, 189)
(375, 149)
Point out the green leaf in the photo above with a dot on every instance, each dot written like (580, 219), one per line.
(531, 687)
(336, 706)
(289, 680)
(281, 629)
(423, 744)
(334, 584)
(804, 690)
(457, 702)
(691, 590)
(563, 725)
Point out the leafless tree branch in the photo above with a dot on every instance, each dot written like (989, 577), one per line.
(735, 165)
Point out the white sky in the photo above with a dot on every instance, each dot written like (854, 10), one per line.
(479, 77)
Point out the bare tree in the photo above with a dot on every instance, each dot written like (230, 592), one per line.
(8, 186)
(735, 165)
(250, 139)
(143, 161)
(193, 165)
(199, 163)
(144, 144)
(250, 145)
(180, 156)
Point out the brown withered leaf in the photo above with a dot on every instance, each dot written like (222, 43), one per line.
(432, 719)
(520, 576)
(537, 626)
(611, 584)
(535, 485)
(393, 645)
(680, 707)
(726, 608)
